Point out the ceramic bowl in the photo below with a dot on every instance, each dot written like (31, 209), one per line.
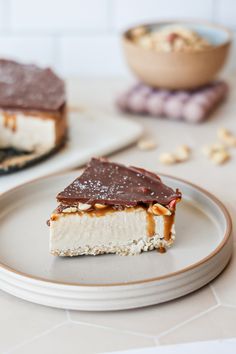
(179, 70)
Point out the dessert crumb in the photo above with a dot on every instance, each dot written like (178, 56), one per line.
(217, 153)
(220, 157)
(147, 144)
(181, 154)
(227, 137)
(167, 158)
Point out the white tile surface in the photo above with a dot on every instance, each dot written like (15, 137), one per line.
(20, 321)
(127, 12)
(209, 347)
(225, 12)
(88, 23)
(28, 49)
(216, 324)
(224, 288)
(91, 55)
(151, 320)
(57, 15)
(73, 339)
(4, 14)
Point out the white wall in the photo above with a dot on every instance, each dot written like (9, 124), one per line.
(82, 37)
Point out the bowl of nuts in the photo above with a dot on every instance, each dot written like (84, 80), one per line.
(176, 55)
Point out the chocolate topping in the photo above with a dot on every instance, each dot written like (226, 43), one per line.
(29, 87)
(109, 183)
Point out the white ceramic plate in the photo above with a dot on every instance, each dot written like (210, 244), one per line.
(109, 282)
(89, 135)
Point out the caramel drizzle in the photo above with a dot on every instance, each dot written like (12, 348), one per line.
(151, 225)
(168, 222)
(9, 121)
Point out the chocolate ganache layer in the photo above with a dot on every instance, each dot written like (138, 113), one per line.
(109, 183)
(28, 87)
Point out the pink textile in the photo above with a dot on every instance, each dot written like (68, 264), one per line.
(191, 106)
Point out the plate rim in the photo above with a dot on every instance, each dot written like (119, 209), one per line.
(211, 255)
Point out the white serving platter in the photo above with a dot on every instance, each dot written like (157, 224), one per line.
(89, 135)
(109, 282)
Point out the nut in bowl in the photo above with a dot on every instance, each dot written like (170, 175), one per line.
(178, 54)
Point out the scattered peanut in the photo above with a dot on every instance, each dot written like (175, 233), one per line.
(167, 158)
(182, 153)
(226, 136)
(218, 146)
(146, 144)
(217, 153)
(209, 150)
(220, 157)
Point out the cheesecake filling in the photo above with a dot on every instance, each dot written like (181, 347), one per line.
(125, 231)
(26, 133)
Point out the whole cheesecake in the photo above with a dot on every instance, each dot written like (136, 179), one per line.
(112, 208)
(32, 112)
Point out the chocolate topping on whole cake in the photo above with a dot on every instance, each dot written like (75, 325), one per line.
(29, 87)
(109, 183)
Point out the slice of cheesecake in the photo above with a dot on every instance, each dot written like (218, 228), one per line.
(112, 208)
(32, 110)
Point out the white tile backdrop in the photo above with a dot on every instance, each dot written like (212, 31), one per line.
(82, 37)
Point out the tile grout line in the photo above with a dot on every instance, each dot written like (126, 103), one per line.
(215, 294)
(229, 306)
(42, 334)
(113, 329)
(187, 321)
